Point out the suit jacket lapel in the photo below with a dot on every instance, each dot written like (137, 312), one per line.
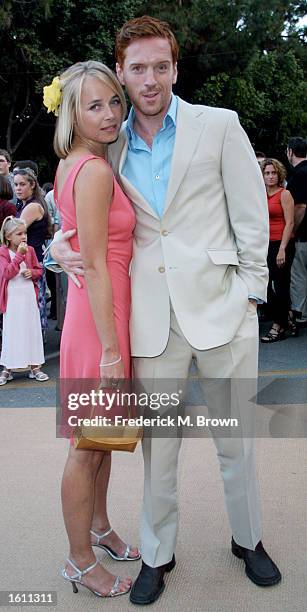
(188, 133)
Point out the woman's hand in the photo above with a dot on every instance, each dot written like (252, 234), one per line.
(27, 273)
(281, 257)
(22, 248)
(111, 375)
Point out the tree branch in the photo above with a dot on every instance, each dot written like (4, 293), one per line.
(26, 132)
(10, 124)
(26, 104)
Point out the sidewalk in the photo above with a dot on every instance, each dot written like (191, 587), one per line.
(207, 576)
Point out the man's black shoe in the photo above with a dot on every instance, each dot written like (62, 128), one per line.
(259, 567)
(150, 584)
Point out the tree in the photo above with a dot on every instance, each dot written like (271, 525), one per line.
(39, 40)
(269, 97)
(247, 55)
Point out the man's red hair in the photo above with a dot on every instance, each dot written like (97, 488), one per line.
(144, 27)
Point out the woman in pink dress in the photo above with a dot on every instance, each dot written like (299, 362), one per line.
(95, 338)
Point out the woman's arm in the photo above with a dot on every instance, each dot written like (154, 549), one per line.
(287, 204)
(93, 192)
(32, 212)
(35, 266)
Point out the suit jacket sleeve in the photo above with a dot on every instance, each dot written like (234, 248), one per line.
(247, 207)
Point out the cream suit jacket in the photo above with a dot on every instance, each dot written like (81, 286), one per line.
(208, 252)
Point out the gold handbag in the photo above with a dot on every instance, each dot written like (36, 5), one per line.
(108, 437)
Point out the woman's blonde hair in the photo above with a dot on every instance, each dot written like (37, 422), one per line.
(9, 225)
(71, 82)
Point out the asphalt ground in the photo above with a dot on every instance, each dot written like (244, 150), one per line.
(282, 374)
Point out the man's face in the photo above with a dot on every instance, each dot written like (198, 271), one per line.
(148, 74)
(4, 166)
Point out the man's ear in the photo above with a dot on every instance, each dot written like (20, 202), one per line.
(119, 72)
(175, 74)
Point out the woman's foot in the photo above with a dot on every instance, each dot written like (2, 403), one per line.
(99, 579)
(112, 543)
(292, 325)
(275, 334)
(5, 376)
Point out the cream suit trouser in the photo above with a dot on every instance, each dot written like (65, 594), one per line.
(236, 360)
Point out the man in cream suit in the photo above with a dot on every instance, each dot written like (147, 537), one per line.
(199, 266)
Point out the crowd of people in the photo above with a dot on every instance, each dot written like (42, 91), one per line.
(29, 219)
(287, 254)
(191, 203)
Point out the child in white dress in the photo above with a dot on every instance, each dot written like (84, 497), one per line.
(22, 340)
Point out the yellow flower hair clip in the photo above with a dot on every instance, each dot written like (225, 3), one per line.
(53, 96)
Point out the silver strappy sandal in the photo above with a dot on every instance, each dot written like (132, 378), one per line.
(6, 376)
(77, 578)
(109, 550)
(38, 374)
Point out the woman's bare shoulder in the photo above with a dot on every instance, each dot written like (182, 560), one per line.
(94, 169)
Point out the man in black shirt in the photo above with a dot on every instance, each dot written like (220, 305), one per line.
(297, 185)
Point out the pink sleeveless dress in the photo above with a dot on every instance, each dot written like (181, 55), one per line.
(80, 352)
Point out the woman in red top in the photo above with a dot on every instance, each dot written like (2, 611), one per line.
(281, 246)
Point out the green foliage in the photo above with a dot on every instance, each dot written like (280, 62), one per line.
(269, 97)
(248, 55)
(40, 39)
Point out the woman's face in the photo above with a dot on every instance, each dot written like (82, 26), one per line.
(17, 236)
(270, 176)
(101, 113)
(23, 187)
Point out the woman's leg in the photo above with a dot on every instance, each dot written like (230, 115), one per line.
(277, 330)
(100, 522)
(51, 282)
(272, 252)
(78, 490)
(100, 514)
(282, 288)
(42, 300)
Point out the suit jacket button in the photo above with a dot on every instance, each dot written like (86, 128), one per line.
(161, 269)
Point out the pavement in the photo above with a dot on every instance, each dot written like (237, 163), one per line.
(207, 576)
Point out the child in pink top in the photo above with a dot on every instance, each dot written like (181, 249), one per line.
(22, 341)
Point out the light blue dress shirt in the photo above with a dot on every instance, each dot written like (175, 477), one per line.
(148, 169)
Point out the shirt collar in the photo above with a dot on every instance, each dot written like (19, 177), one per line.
(170, 118)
